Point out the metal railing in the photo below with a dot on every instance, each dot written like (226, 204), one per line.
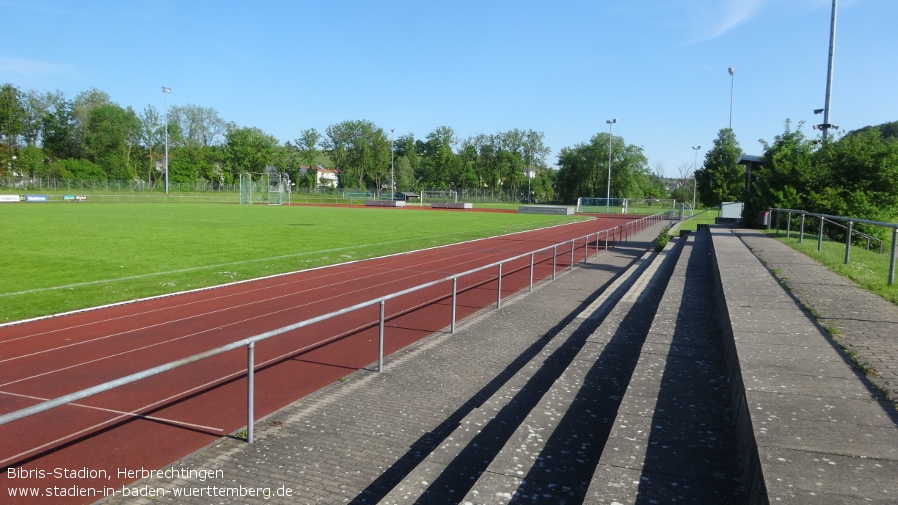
(850, 233)
(613, 235)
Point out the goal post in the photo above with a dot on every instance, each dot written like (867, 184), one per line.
(269, 187)
(590, 205)
(434, 196)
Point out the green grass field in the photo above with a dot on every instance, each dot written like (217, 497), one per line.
(62, 257)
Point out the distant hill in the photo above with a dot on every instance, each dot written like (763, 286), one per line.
(887, 130)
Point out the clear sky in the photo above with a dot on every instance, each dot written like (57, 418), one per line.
(561, 67)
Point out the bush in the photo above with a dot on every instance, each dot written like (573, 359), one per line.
(663, 239)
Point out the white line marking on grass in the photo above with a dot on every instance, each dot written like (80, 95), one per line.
(233, 263)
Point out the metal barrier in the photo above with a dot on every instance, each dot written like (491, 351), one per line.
(824, 218)
(619, 233)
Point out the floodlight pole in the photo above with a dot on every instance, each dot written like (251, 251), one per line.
(392, 187)
(165, 92)
(694, 180)
(608, 189)
(829, 71)
(732, 71)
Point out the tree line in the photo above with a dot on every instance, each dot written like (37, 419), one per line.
(47, 135)
(853, 175)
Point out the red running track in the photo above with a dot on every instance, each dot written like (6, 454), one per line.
(82, 447)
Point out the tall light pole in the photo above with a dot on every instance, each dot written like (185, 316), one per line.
(694, 181)
(829, 71)
(732, 72)
(392, 188)
(165, 92)
(608, 189)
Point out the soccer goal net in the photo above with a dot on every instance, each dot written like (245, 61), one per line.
(439, 196)
(267, 188)
(589, 205)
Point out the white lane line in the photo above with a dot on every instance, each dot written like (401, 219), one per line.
(242, 294)
(124, 413)
(119, 418)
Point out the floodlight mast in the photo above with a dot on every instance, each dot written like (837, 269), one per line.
(829, 71)
(608, 189)
(165, 92)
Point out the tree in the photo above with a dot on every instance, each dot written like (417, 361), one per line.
(307, 145)
(58, 130)
(151, 135)
(861, 171)
(789, 178)
(583, 170)
(439, 161)
(12, 113)
(722, 178)
(109, 139)
(248, 150)
(360, 151)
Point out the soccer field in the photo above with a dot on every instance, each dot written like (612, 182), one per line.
(62, 257)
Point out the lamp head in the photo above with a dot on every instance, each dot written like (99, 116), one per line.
(731, 70)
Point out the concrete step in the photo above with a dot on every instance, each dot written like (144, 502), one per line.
(673, 440)
(541, 435)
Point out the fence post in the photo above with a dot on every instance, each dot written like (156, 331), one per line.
(554, 260)
(892, 259)
(531, 272)
(380, 339)
(777, 222)
(801, 230)
(454, 301)
(250, 379)
(788, 225)
(585, 249)
(572, 256)
(848, 243)
(820, 234)
(499, 290)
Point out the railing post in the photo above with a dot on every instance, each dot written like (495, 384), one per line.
(892, 259)
(499, 290)
(531, 272)
(848, 243)
(820, 234)
(585, 249)
(572, 256)
(606, 240)
(788, 225)
(777, 222)
(250, 379)
(380, 339)
(454, 302)
(801, 230)
(554, 260)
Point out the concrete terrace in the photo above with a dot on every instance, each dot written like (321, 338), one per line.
(687, 376)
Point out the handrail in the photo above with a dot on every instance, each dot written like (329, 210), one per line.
(620, 232)
(850, 220)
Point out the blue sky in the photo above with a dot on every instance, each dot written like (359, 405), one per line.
(560, 67)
